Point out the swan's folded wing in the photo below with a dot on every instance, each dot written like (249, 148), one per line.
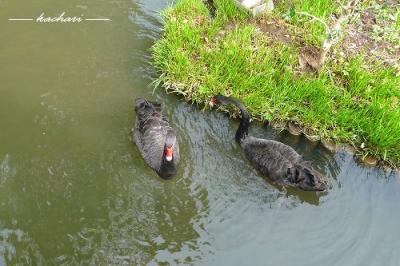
(270, 157)
(158, 110)
(149, 119)
(150, 133)
(152, 145)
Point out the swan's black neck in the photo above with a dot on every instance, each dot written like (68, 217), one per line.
(167, 169)
(243, 129)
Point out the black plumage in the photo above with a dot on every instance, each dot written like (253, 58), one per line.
(155, 139)
(276, 160)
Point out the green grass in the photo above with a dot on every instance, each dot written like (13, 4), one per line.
(388, 25)
(352, 101)
(312, 30)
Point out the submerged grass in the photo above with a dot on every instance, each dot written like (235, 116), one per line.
(352, 101)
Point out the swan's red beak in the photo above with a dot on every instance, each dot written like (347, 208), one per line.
(168, 153)
(213, 102)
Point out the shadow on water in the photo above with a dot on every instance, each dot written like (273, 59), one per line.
(75, 190)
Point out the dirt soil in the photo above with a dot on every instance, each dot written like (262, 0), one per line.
(358, 39)
(278, 30)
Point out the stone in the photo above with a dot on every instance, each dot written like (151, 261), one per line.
(370, 161)
(256, 7)
(293, 129)
(249, 4)
(330, 146)
(267, 7)
(312, 138)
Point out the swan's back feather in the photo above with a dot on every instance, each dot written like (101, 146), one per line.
(150, 133)
(282, 164)
(270, 157)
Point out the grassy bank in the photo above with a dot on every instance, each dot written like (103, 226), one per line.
(352, 99)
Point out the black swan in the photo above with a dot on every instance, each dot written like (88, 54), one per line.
(274, 159)
(155, 139)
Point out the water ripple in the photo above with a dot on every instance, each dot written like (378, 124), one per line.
(6, 171)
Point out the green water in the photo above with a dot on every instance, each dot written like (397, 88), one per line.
(75, 191)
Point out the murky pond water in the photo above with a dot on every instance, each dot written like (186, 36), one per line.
(74, 189)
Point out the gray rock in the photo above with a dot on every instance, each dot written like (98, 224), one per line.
(256, 7)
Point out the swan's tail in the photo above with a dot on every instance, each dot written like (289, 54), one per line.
(141, 104)
(146, 106)
(307, 178)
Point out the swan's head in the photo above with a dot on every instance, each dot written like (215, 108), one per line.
(310, 179)
(170, 142)
(217, 100)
